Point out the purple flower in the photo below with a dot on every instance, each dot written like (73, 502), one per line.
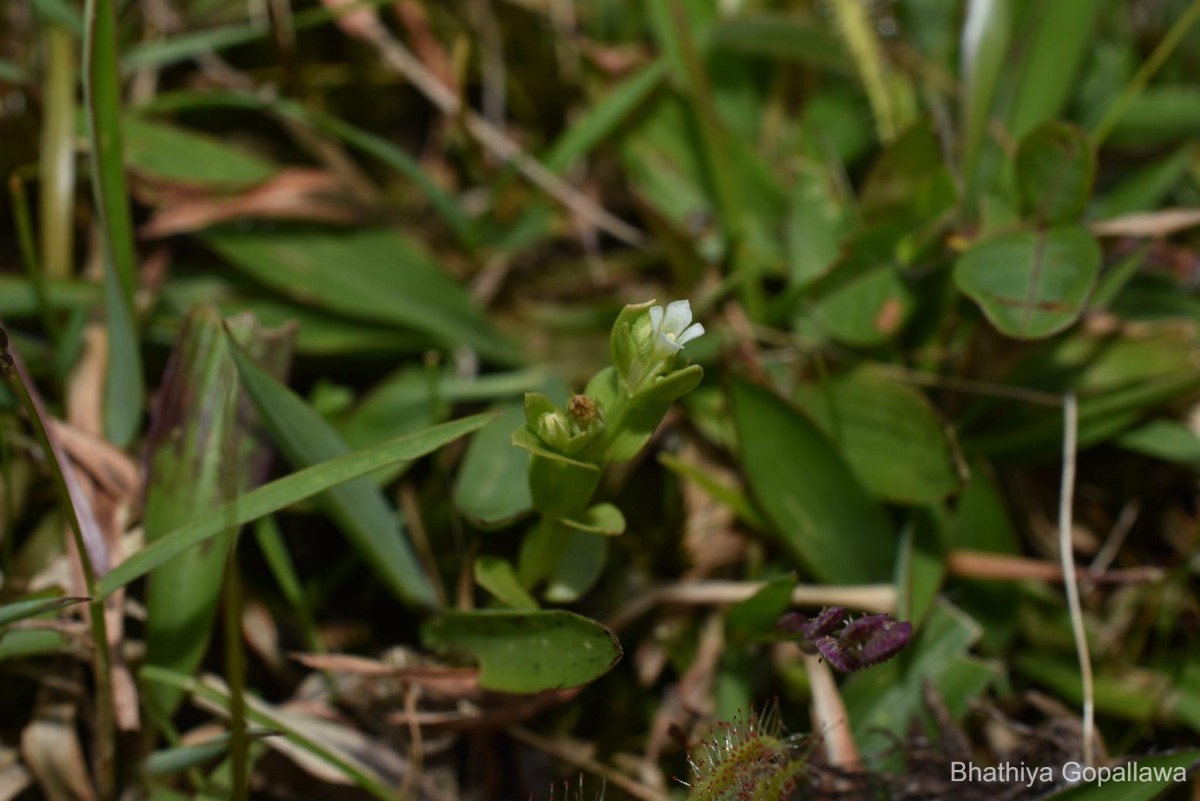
(848, 644)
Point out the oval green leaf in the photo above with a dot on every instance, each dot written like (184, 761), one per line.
(819, 510)
(1031, 284)
(1055, 170)
(528, 652)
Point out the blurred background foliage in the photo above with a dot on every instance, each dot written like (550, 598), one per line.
(244, 239)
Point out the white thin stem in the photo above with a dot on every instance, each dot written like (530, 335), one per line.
(1070, 580)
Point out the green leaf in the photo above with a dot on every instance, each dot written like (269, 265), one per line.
(527, 652)
(284, 492)
(201, 452)
(1166, 440)
(758, 615)
(371, 273)
(819, 219)
(21, 610)
(603, 116)
(102, 92)
(497, 576)
(526, 440)
(985, 39)
(863, 300)
(1055, 170)
(169, 761)
(1031, 284)
(1160, 772)
(358, 507)
(786, 37)
(581, 560)
(493, 482)
(821, 514)
(603, 518)
(889, 434)
(1059, 37)
(176, 155)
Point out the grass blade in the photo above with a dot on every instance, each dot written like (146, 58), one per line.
(358, 507)
(123, 388)
(21, 610)
(284, 492)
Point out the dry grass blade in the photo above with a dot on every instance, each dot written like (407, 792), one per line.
(52, 751)
(1148, 223)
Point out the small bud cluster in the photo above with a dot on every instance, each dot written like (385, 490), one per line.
(848, 644)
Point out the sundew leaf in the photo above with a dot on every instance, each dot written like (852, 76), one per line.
(820, 513)
(285, 492)
(527, 652)
(358, 506)
(371, 274)
(889, 434)
(1031, 284)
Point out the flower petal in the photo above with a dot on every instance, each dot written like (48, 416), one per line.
(694, 330)
(679, 315)
(665, 346)
(656, 318)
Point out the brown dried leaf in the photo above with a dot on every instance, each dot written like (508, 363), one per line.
(292, 194)
(51, 749)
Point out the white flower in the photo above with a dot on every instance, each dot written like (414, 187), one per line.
(673, 328)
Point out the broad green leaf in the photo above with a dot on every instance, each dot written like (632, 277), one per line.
(1166, 440)
(819, 218)
(1059, 35)
(493, 482)
(201, 452)
(285, 492)
(883, 701)
(864, 301)
(497, 576)
(603, 518)
(358, 507)
(527, 652)
(371, 273)
(888, 433)
(1055, 170)
(909, 185)
(1149, 776)
(526, 440)
(175, 155)
(580, 564)
(820, 512)
(20, 610)
(1031, 284)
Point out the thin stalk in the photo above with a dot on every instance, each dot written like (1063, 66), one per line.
(1138, 82)
(29, 253)
(235, 670)
(105, 735)
(856, 30)
(1070, 580)
(57, 160)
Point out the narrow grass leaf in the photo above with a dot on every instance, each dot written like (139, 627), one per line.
(175, 155)
(604, 116)
(169, 761)
(21, 610)
(371, 274)
(497, 576)
(123, 387)
(284, 492)
(358, 507)
(1059, 36)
